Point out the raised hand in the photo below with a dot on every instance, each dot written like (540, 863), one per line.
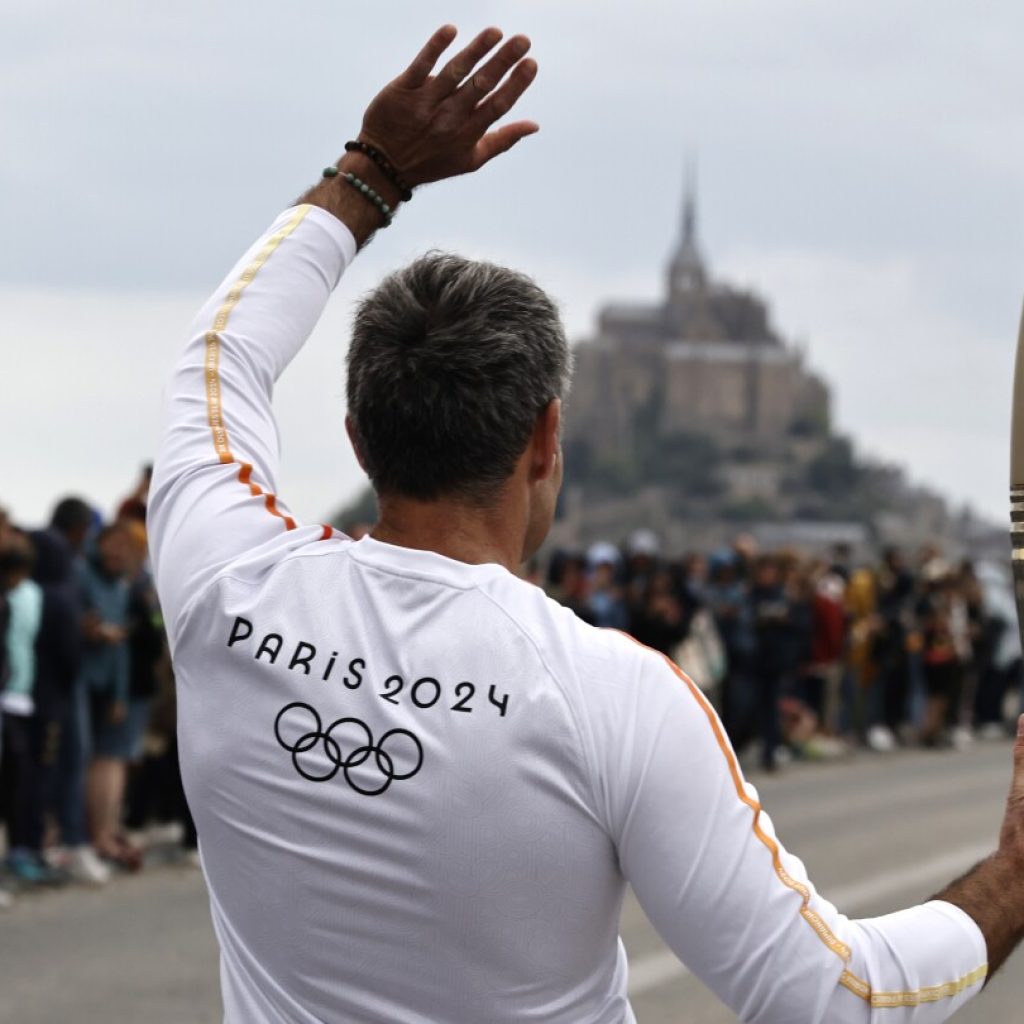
(434, 126)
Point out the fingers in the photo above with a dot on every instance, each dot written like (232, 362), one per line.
(462, 63)
(495, 143)
(419, 70)
(488, 77)
(500, 102)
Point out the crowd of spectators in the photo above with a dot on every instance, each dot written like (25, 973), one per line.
(812, 656)
(88, 753)
(802, 656)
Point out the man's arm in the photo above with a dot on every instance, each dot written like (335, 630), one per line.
(727, 897)
(214, 487)
(992, 893)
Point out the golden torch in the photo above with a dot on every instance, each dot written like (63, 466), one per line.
(1017, 480)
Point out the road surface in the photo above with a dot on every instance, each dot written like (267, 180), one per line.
(876, 834)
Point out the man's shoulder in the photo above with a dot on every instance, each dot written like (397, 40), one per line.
(571, 646)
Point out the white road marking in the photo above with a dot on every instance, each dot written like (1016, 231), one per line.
(656, 969)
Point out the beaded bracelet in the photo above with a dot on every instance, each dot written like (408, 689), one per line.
(360, 186)
(387, 168)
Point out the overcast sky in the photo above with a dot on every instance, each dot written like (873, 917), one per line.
(861, 165)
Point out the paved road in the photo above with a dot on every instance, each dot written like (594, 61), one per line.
(876, 835)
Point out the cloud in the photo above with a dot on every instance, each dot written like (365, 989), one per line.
(81, 409)
(859, 164)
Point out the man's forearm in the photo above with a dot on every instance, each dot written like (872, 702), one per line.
(214, 490)
(992, 893)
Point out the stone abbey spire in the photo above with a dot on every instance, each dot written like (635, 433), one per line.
(688, 308)
(686, 269)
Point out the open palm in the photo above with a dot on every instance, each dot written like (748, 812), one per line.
(435, 126)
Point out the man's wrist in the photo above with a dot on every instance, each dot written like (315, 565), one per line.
(366, 170)
(357, 212)
(992, 893)
(1008, 870)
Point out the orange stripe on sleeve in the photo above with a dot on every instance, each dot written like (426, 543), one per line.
(810, 916)
(214, 409)
(848, 979)
(916, 997)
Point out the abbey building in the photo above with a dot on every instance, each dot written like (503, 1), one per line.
(694, 417)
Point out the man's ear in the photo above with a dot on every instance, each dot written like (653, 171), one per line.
(350, 429)
(546, 441)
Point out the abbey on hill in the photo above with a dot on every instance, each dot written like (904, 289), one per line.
(707, 359)
(694, 416)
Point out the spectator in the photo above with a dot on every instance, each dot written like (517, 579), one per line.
(828, 645)
(17, 782)
(895, 595)
(133, 507)
(979, 642)
(156, 795)
(74, 520)
(5, 614)
(567, 582)
(641, 561)
(1000, 664)
(842, 559)
(773, 620)
(863, 625)
(606, 603)
(727, 600)
(5, 526)
(58, 659)
(745, 548)
(102, 690)
(663, 618)
(694, 570)
(146, 650)
(942, 666)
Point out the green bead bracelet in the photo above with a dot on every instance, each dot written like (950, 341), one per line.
(363, 189)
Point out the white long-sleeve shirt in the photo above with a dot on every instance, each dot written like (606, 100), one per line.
(421, 786)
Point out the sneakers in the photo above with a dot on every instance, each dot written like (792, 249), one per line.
(881, 739)
(29, 869)
(991, 731)
(84, 866)
(962, 738)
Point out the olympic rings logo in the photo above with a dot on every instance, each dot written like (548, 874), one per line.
(346, 745)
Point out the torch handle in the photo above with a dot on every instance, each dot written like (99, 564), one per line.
(1017, 480)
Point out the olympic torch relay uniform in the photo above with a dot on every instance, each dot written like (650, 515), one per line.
(421, 786)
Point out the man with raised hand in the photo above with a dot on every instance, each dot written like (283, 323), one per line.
(420, 786)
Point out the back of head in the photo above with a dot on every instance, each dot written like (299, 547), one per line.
(17, 557)
(72, 518)
(450, 364)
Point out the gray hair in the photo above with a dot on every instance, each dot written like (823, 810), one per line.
(451, 362)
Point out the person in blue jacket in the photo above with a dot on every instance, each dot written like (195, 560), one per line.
(102, 687)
